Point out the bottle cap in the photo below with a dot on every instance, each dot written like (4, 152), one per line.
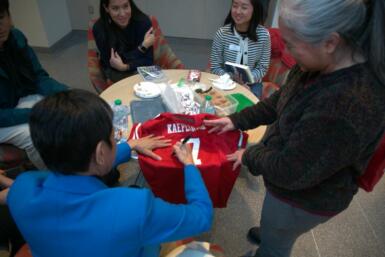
(208, 97)
(180, 82)
(118, 102)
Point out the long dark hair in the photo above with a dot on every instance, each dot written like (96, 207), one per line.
(113, 32)
(136, 13)
(256, 19)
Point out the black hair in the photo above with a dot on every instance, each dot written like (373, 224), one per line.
(113, 32)
(257, 18)
(4, 6)
(136, 13)
(66, 128)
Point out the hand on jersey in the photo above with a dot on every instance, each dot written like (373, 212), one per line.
(236, 157)
(146, 144)
(219, 125)
(116, 61)
(184, 153)
(149, 38)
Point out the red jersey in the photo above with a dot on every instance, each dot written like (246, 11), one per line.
(166, 177)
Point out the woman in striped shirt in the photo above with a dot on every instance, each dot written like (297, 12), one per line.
(243, 40)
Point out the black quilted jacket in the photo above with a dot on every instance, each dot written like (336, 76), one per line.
(323, 130)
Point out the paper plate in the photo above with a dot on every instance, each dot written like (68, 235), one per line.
(146, 89)
(221, 86)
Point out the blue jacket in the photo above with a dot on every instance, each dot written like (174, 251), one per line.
(45, 85)
(76, 216)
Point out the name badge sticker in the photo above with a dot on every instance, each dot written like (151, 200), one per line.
(234, 48)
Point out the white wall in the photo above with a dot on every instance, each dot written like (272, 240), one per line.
(186, 18)
(275, 14)
(55, 17)
(78, 13)
(44, 22)
(93, 5)
(26, 17)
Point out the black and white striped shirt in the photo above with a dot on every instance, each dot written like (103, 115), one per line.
(229, 46)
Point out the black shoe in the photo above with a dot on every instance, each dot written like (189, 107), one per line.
(253, 235)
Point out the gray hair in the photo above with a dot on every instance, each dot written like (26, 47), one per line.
(359, 22)
(314, 20)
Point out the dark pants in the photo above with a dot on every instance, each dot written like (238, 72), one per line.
(115, 75)
(281, 225)
(9, 233)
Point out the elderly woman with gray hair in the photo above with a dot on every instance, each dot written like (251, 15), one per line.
(325, 122)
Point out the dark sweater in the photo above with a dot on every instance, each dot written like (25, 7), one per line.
(320, 138)
(10, 93)
(127, 48)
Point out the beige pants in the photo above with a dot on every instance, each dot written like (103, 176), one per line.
(19, 135)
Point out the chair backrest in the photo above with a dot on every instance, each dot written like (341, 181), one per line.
(163, 56)
(375, 169)
(281, 61)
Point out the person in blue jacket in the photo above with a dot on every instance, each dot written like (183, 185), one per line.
(23, 82)
(68, 212)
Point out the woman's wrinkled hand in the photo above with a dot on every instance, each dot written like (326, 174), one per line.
(236, 157)
(219, 125)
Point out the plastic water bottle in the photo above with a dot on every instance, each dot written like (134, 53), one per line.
(120, 120)
(207, 106)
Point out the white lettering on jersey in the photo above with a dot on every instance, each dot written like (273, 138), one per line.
(182, 128)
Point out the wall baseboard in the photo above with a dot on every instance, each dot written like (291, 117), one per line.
(60, 43)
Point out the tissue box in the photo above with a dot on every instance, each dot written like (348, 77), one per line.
(179, 99)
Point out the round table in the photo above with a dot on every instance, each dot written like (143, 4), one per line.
(123, 90)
